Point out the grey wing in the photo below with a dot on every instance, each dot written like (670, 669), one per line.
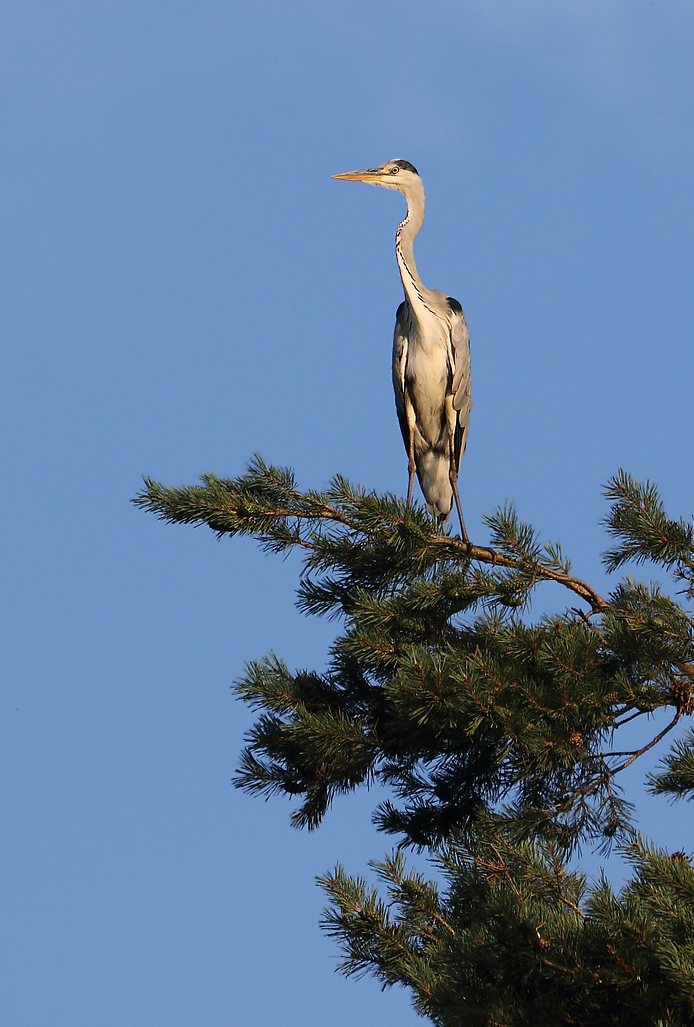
(461, 385)
(400, 339)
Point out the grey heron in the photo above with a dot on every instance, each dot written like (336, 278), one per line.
(431, 358)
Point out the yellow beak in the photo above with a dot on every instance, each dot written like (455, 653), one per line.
(360, 176)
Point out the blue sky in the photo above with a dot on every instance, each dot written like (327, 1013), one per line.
(184, 284)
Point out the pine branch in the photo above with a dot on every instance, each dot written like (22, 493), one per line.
(516, 937)
(265, 504)
(677, 779)
(638, 520)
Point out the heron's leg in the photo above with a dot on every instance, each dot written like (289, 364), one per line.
(411, 467)
(451, 416)
(453, 476)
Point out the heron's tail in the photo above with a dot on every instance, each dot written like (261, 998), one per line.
(432, 474)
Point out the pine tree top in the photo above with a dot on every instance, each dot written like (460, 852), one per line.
(498, 735)
(440, 685)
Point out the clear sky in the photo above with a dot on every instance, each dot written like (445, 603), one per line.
(183, 285)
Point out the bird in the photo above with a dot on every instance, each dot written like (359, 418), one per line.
(431, 358)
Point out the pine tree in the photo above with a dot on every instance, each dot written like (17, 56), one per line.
(497, 735)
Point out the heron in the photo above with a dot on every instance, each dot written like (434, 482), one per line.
(431, 358)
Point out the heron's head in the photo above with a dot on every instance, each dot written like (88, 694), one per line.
(394, 174)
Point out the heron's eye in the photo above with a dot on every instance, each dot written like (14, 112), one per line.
(394, 170)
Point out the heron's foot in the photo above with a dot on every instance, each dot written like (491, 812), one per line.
(491, 554)
(463, 537)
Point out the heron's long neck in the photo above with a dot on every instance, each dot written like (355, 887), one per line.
(404, 238)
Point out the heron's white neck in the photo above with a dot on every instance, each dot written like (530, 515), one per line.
(415, 290)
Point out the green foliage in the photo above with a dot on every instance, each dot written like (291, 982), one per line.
(677, 779)
(643, 531)
(519, 939)
(497, 736)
